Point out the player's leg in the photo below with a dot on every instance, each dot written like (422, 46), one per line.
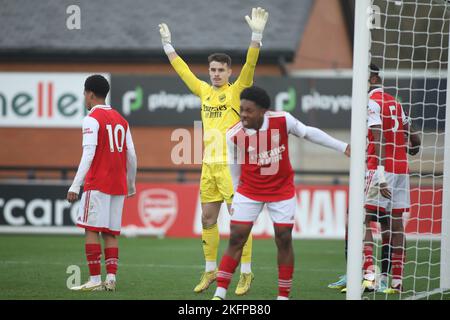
(111, 260)
(385, 225)
(283, 217)
(283, 239)
(368, 283)
(211, 201)
(239, 233)
(247, 276)
(368, 266)
(111, 240)
(398, 250)
(225, 187)
(210, 243)
(401, 204)
(87, 212)
(375, 205)
(244, 212)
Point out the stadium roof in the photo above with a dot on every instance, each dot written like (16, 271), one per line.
(118, 30)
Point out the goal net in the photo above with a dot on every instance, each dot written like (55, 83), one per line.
(409, 42)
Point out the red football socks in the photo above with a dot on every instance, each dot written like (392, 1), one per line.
(93, 255)
(226, 270)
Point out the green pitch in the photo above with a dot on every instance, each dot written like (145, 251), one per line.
(35, 267)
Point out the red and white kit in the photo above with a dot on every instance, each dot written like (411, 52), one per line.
(107, 148)
(385, 111)
(261, 169)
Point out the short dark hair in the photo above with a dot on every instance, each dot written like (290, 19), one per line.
(98, 85)
(374, 70)
(258, 95)
(220, 57)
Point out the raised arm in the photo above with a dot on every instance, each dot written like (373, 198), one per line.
(193, 83)
(257, 24)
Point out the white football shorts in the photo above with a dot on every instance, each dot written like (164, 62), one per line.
(100, 212)
(245, 210)
(399, 187)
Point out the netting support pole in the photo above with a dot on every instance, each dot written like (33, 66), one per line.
(358, 142)
(445, 229)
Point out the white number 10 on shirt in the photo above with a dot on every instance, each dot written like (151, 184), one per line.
(116, 142)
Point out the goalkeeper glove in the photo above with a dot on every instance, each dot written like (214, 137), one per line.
(257, 22)
(165, 38)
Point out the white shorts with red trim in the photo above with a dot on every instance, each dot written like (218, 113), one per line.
(100, 212)
(246, 210)
(399, 187)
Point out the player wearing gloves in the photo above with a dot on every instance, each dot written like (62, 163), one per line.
(108, 170)
(219, 111)
(262, 172)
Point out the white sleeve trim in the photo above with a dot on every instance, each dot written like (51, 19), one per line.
(83, 168)
(373, 114)
(317, 136)
(131, 164)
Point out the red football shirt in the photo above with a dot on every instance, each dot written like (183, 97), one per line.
(384, 110)
(266, 171)
(107, 129)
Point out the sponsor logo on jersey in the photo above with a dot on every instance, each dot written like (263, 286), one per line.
(267, 157)
(213, 112)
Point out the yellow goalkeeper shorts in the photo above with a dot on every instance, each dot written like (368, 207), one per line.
(216, 183)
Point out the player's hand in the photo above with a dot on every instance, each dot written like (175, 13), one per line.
(384, 190)
(165, 33)
(348, 151)
(258, 21)
(72, 197)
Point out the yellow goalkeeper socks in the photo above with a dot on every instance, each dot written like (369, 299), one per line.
(246, 258)
(210, 240)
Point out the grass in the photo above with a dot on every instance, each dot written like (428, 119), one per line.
(34, 267)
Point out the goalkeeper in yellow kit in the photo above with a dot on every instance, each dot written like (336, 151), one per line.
(220, 108)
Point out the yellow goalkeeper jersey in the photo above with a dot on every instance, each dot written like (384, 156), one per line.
(220, 107)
